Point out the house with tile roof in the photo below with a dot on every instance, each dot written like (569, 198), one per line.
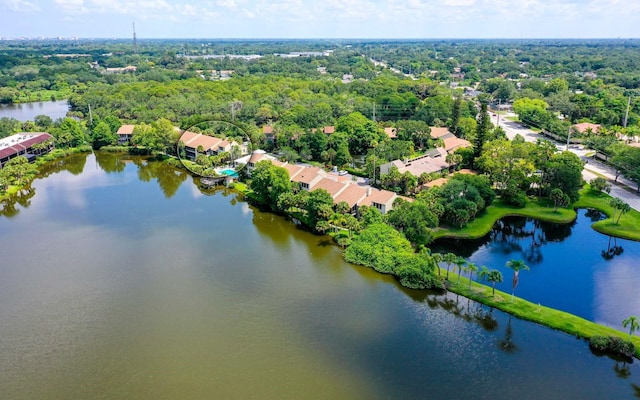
(27, 144)
(125, 133)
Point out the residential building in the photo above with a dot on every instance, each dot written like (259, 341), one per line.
(586, 127)
(451, 142)
(125, 133)
(27, 144)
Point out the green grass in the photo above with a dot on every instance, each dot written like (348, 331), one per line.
(537, 313)
(482, 225)
(627, 228)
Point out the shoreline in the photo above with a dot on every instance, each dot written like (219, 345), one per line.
(519, 308)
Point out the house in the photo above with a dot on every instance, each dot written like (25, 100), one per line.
(352, 195)
(392, 133)
(308, 177)
(380, 199)
(255, 157)
(125, 133)
(269, 134)
(27, 144)
(451, 142)
(432, 161)
(585, 128)
(197, 143)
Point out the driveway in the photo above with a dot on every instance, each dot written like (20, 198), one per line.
(623, 189)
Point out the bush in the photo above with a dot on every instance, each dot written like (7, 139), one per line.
(515, 198)
(613, 345)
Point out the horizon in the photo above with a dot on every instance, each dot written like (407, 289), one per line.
(332, 19)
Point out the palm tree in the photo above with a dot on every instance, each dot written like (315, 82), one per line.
(632, 323)
(516, 266)
(437, 258)
(460, 267)
(471, 268)
(483, 273)
(494, 277)
(449, 258)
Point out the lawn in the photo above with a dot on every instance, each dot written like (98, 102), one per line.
(627, 228)
(482, 225)
(526, 310)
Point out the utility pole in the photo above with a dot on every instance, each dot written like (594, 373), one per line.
(568, 138)
(374, 111)
(90, 116)
(626, 114)
(498, 111)
(135, 39)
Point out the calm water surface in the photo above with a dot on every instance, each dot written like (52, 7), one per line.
(572, 267)
(28, 111)
(121, 279)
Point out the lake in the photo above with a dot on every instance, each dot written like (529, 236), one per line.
(121, 278)
(28, 111)
(572, 267)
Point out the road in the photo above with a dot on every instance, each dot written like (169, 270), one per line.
(623, 189)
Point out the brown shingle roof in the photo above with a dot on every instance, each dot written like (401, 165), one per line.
(391, 132)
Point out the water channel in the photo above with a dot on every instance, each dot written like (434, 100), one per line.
(572, 267)
(28, 111)
(120, 278)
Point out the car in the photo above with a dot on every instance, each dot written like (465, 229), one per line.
(342, 172)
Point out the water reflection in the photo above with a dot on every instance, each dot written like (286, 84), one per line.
(137, 295)
(573, 267)
(612, 250)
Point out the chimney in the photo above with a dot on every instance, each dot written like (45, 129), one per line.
(369, 191)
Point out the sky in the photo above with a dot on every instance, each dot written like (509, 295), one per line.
(423, 19)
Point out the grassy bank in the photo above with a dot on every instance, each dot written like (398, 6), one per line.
(546, 316)
(482, 225)
(627, 228)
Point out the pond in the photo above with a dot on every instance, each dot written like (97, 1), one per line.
(121, 278)
(572, 267)
(28, 111)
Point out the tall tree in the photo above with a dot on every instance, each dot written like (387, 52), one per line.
(632, 323)
(482, 131)
(516, 266)
(494, 276)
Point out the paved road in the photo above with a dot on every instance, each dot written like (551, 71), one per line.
(623, 189)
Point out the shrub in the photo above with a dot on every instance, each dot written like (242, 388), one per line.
(612, 344)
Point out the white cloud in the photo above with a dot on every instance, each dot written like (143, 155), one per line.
(20, 5)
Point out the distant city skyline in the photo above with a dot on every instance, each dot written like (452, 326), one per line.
(393, 19)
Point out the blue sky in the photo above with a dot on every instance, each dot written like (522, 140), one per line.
(321, 18)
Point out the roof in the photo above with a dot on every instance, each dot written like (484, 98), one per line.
(21, 141)
(293, 169)
(438, 132)
(378, 196)
(583, 127)
(453, 143)
(307, 175)
(421, 165)
(267, 129)
(329, 129)
(194, 140)
(333, 187)
(391, 132)
(352, 195)
(126, 130)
